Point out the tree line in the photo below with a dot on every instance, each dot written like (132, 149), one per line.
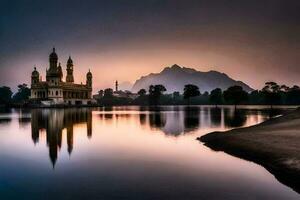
(271, 94)
(21, 97)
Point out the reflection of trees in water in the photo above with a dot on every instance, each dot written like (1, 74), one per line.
(4, 115)
(174, 123)
(142, 115)
(188, 119)
(24, 117)
(107, 116)
(216, 116)
(54, 121)
(157, 119)
(5, 120)
(191, 118)
(143, 118)
(235, 117)
(179, 120)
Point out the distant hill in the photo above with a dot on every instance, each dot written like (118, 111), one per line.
(125, 86)
(174, 78)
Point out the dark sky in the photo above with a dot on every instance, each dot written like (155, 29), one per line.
(253, 41)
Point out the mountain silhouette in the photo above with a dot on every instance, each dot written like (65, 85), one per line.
(175, 77)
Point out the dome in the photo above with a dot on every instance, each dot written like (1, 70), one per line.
(53, 55)
(70, 61)
(89, 74)
(35, 73)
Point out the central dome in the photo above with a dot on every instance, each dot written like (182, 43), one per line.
(53, 55)
(35, 73)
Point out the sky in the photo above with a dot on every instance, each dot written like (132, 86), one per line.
(251, 40)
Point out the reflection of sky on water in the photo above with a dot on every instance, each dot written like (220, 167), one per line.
(130, 153)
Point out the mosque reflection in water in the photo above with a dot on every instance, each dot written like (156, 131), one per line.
(53, 122)
(172, 121)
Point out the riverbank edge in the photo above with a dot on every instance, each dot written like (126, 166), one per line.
(231, 143)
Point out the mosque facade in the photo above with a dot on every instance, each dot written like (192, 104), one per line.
(54, 90)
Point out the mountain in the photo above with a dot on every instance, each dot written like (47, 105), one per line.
(175, 77)
(125, 86)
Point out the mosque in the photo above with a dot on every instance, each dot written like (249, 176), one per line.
(55, 91)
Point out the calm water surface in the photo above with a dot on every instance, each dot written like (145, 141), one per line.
(128, 153)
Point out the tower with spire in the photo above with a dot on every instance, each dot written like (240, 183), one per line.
(89, 79)
(117, 85)
(35, 75)
(53, 58)
(70, 77)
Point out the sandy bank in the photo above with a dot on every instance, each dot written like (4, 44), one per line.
(274, 144)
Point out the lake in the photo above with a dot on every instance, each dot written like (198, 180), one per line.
(129, 153)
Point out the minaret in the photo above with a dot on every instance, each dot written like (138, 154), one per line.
(70, 77)
(117, 86)
(89, 78)
(53, 61)
(35, 76)
(52, 74)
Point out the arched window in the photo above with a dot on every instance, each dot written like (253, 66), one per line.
(56, 93)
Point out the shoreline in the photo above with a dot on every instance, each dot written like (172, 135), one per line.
(273, 144)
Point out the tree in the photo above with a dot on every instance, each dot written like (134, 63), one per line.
(100, 93)
(293, 95)
(190, 91)
(271, 92)
(176, 97)
(22, 95)
(142, 99)
(155, 92)
(108, 93)
(142, 92)
(255, 98)
(235, 95)
(216, 96)
(5, 95)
